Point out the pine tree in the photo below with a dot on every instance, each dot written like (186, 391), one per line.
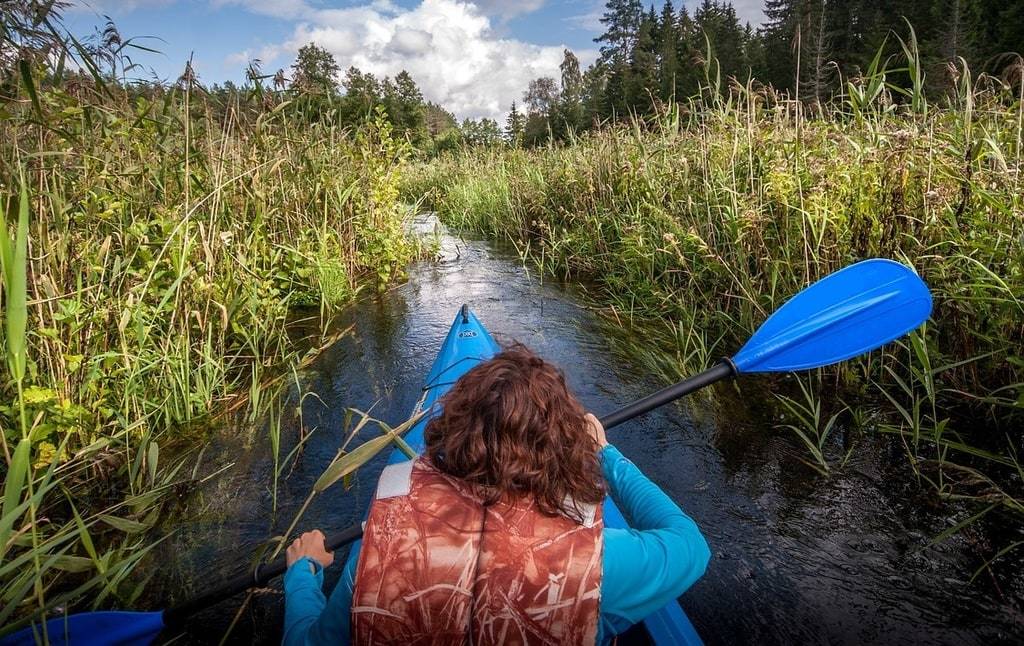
(818, 73)
(778, 35)
(514, 126)
(404, 103)
(643, 68)
(688, 53)
(718, 21)
(668, 58)
(622, 22)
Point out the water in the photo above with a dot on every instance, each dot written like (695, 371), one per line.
(797, 558)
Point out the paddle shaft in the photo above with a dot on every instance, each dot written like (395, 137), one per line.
(715, 373)
(258, 577)
(263, 574)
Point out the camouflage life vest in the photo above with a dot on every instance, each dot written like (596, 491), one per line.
(439, 567)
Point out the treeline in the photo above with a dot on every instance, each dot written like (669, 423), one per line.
(806, 49)
(313, 93)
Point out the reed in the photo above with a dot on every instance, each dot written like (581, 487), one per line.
(706, 220)
(156, 243)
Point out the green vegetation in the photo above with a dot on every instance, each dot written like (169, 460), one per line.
(156, 242)
(807, 50)
(708, 218)
(160, 240)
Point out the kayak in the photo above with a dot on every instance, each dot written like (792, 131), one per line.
(468, 344)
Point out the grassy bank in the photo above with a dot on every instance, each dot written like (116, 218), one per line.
(709, 219)
(156, 244)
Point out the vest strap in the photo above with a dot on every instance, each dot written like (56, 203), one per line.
(395, 480)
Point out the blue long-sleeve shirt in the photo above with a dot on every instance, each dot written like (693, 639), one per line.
(645, 567)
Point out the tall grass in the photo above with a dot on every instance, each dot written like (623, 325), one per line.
(158, 246)
(710, 218)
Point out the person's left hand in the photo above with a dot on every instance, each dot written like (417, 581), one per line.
(310, 544)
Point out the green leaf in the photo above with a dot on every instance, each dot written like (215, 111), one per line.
(13, 484)
(69, 563)
(15, 270)
(124, 524)
(37, 395)
(30, 87)
(152, 456)
(349, 462)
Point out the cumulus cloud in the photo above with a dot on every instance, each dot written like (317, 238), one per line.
(448, 46)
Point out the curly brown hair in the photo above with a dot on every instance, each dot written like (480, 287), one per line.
(512, 428)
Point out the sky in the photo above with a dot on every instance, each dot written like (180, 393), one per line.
(474, 57)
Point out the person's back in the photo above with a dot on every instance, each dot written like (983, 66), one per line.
(495, 534)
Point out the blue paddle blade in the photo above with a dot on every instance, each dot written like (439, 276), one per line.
(108, 628)
(850, 312)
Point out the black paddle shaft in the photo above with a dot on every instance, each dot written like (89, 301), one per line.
(264, 573)
(722, 370)
(258, 577)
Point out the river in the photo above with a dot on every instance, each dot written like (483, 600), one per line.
(797, 558)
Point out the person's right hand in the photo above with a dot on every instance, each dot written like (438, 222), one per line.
(596, 430)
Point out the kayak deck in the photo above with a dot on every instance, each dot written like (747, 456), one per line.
(468, 344)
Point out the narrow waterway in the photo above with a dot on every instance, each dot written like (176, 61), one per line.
(797, 558)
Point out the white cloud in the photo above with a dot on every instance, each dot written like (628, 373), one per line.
(448, 46)
(751, 11)
(506, 9)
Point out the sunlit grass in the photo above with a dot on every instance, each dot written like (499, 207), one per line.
(159, 247)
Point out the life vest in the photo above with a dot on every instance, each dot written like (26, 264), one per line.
(437, 566)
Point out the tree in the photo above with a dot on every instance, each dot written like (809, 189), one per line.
(484, 132)
(541, 96)
(541, 100)
(688, 52)
(595, 81)
(315, 71)
(514, 126)
(568, 114)
(643, 82)
(668, 57)
(622, 22)
(438, 120)
(363, 92)
(404, 103)
(718, 21)
(816, 78)
(778, 36)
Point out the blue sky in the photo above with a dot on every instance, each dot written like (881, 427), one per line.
(473, 56)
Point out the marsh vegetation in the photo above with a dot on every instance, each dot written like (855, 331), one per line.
(173, 255)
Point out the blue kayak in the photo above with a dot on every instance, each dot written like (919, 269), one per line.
(469, 343)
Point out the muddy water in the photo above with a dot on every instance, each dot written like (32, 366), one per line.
(797, 558)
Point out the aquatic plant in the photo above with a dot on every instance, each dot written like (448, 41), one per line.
(162, 241)
(707, 218)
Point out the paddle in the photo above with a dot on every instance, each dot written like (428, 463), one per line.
(850, 312)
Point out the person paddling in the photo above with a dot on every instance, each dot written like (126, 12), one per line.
(495, 534)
